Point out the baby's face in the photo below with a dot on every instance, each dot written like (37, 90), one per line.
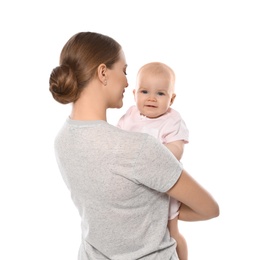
(153, 95)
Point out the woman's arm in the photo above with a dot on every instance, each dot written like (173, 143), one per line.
(197, 203)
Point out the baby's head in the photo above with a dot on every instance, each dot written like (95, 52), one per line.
(154, 92)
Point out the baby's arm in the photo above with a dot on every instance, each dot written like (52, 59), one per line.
(176, 148)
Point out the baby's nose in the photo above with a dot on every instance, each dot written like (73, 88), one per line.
(152, 98)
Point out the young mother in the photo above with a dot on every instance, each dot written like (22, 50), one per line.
(119, 181)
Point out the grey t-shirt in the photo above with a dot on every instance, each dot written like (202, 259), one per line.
(118, 181)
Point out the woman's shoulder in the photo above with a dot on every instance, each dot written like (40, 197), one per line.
(130, 136)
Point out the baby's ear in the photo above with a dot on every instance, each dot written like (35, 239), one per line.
(134, 94)
(172, 99)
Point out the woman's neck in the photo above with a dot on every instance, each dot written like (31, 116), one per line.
(89, 106)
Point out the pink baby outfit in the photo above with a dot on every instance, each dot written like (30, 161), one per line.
(167, 128)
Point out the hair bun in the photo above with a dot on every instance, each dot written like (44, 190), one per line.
(63, 84)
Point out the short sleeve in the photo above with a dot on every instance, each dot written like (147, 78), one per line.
(176, 130)
(122, 120)
(156, 167)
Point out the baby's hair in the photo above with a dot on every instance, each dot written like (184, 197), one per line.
(156, 68)
(79, 60)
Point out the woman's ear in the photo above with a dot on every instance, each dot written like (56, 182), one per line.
(102, 73)
(172, 99)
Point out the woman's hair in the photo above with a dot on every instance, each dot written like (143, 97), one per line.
(79, 60)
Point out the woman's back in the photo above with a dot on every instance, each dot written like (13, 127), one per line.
(119, 192)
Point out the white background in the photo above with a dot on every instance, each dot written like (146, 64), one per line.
(211, 47)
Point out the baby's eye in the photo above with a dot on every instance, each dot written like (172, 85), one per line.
(125, 72)
(161, 93)
(144, 91)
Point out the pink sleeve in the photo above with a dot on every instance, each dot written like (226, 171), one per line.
(123, 120)
(120, 122)
(175, 131)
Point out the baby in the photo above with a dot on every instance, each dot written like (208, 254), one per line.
(152, 114)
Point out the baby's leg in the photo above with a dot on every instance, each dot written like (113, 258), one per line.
(182, 248)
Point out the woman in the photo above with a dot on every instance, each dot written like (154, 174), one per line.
(120, 181)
